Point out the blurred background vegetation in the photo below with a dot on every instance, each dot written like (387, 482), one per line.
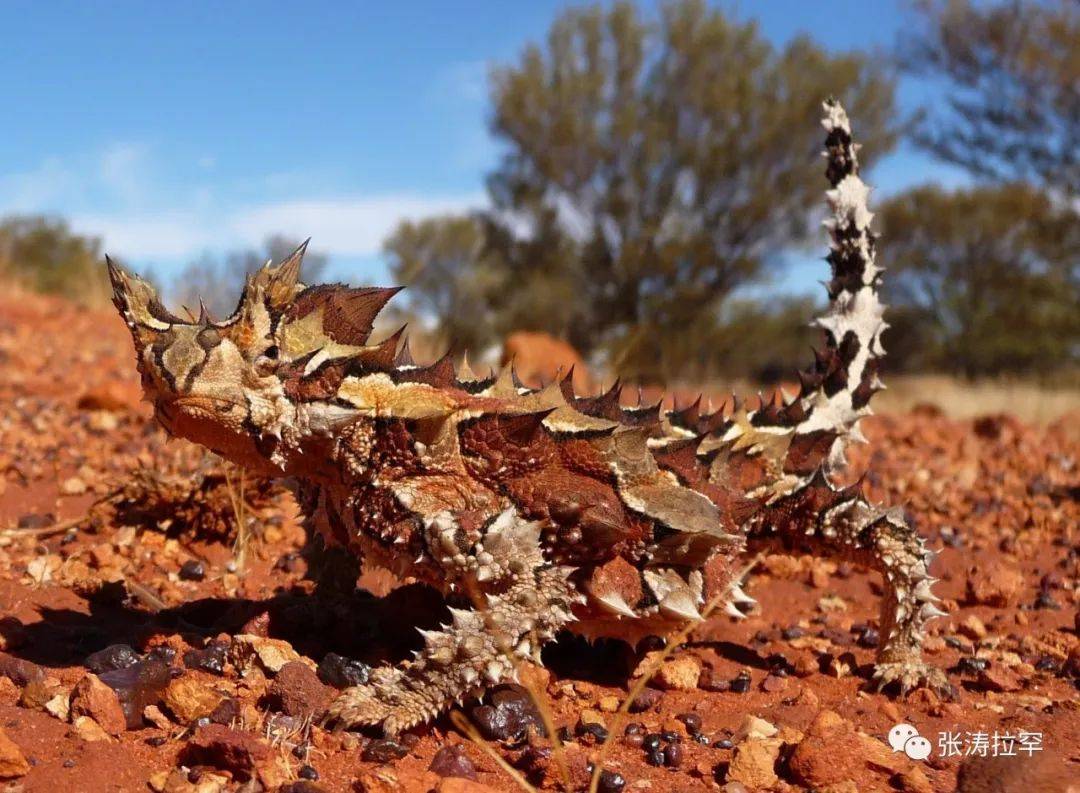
(657, 169)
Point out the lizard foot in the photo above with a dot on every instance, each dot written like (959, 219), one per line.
(910, 675)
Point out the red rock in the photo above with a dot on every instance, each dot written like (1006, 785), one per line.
(1005, 774)
(228, 749)
(297, 691)
(453, 784)
(998, 584)
(833, 751)
(189, 698)
(93, 698)
(112, 396)
(20, 672)
(998, 677)
(12, 761)
(754, 762)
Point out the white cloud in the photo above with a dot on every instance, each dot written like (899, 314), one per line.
(114, 194)
(354, 226)
(169, 235)
(123, 171)
(341, 226)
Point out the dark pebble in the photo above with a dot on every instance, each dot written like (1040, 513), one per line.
(691, 721)
(1047, 664)
(509, 715)
(610, 782)
(670, 736)
(383, 750)
(673, 754)
(341, 672)
(969, 665)
(704, 740)
(651, 644)
(308, 773)
(210, 658)
(138, 685)
(741, 684)
(193, 570)
(724, 743)
(634, 728)
(452, 761)
(711, 680)
(157, 740)
(597, 731)
(634, 739)
(1045, 601)
(648, 698)
(651, 742)
(565, 734)
(35, 521)
(115, 656)
(163, 653)
(226, 712)
(654, 757)
(869, 638)
(69, 763)
(794, 632)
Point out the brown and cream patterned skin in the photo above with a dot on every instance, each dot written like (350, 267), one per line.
(542, 509)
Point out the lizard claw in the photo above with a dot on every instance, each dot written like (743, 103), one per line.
(910, 675)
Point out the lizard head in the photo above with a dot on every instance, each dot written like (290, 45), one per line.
(216, 383)
(252, 387)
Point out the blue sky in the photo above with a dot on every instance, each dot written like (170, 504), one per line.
(170, 129)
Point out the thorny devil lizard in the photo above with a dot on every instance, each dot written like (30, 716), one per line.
(538, 509)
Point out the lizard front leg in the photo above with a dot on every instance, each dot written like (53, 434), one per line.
(521, 601)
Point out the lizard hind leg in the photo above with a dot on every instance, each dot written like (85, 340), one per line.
(521, 602)
(852, 528)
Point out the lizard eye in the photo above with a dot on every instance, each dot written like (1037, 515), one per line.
(267, 363)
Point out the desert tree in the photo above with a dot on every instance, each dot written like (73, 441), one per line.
(44, 254)
(652, 166)
(450, 275)
(987, 277)
(1011, 72)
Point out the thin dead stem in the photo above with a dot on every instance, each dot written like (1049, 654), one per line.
(243, 533)
(539, 698)
(674, 640)
(466, 726)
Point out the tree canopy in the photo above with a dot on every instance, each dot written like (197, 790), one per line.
(652, 167)
(44, 254)
(1012, 75)
(992, 275)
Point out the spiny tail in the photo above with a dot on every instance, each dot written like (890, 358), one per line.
(836, 391)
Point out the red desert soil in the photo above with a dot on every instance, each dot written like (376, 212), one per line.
(136, 655)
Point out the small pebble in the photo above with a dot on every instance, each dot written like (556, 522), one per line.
(648, 698)
(634, 728)
(724, 743)
(670, 736)
(610, 782)
(383, 750)
(691, 721)
(115, 656)
(651, 742)
(308, 773)
(969, 665)
(673, 754)
(192, 570)
(452, 761)
(654, 757)
(794, 632)
(634, 739)
(741, 684)
(341, 672)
